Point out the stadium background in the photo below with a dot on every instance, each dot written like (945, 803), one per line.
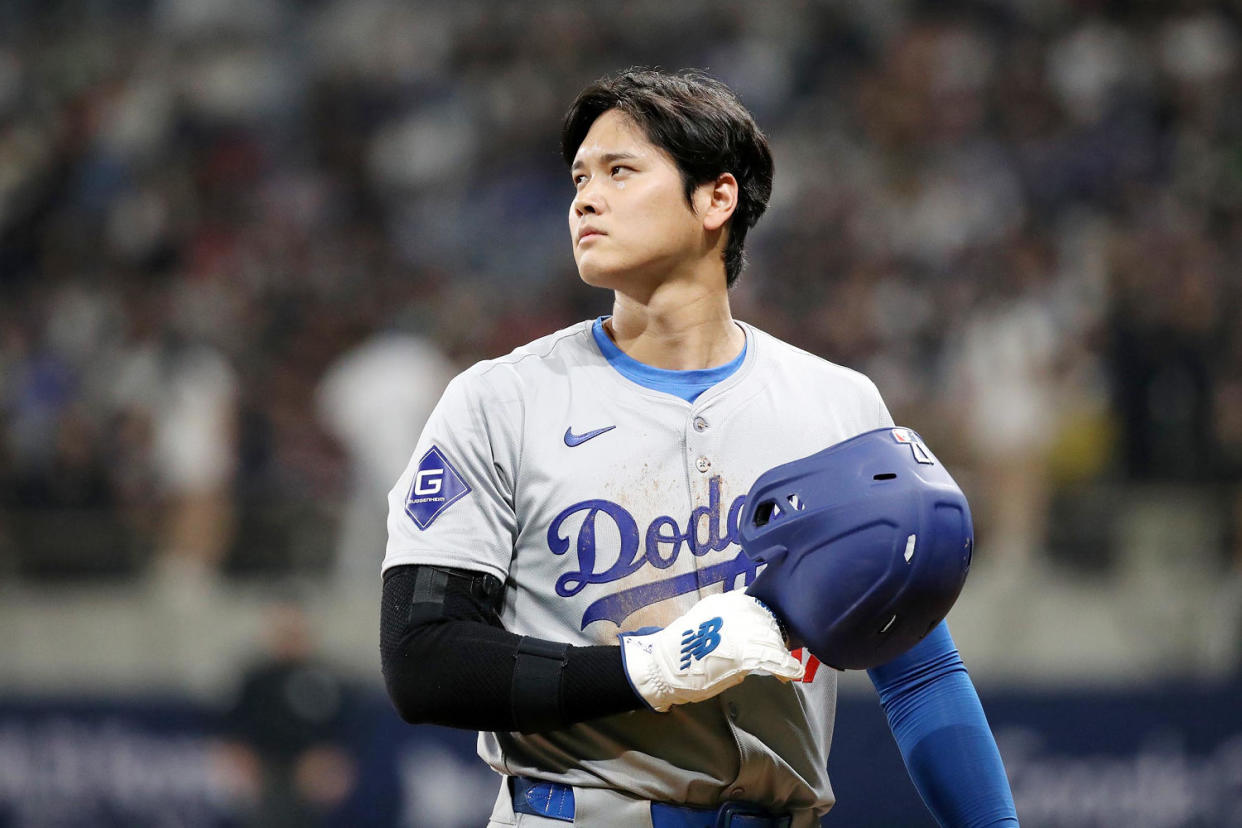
(243, 243)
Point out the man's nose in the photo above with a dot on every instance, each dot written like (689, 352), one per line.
(587, 201)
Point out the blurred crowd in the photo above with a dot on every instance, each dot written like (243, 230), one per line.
(244, 244)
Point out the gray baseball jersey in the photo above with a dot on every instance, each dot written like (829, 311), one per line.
(606, 506)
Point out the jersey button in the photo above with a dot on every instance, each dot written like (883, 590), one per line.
(703, 464)
(700, 424)
(733, 711)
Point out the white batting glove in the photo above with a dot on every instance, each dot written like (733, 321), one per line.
(720, 641)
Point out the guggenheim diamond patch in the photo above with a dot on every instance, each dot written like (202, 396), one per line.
(435, 487)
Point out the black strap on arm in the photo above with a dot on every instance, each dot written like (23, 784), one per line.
(536, 697)
(430, 592)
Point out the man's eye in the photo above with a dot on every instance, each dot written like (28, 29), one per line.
(617, 169)
(579, 178)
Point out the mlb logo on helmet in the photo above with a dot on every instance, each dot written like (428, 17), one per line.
(435, 487)
(915, 442)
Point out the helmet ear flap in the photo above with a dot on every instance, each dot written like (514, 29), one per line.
(867, 545)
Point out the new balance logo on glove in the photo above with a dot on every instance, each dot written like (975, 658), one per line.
(696, 644)
(670, 666)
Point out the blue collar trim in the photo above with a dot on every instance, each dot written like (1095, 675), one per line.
(685, 384)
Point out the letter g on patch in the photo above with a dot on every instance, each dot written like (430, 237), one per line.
(435, 487)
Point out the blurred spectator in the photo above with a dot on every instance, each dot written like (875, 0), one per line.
(285, 730)
(185, 399)
(375, 399)
(1006, 394)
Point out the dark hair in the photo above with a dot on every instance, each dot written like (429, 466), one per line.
(699, 122)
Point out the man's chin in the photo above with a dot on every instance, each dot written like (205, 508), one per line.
(600, 277)
(635, 283)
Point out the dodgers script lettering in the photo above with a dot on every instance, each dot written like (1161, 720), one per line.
(659, 546)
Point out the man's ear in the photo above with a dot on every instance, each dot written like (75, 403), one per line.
(716, 201)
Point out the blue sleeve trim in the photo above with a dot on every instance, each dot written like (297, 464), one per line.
(943, 734)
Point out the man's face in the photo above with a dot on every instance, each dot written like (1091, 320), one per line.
(629, 220)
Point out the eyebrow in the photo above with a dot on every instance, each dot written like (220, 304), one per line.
(606, 158)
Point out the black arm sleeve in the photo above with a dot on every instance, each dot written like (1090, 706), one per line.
(447, 659)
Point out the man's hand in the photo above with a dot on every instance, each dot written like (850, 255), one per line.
(720, 641)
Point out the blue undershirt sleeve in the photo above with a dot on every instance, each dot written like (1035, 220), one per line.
(944, 738)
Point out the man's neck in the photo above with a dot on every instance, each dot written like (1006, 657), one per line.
(679, 326)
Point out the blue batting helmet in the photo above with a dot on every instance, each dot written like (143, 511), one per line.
(867, 545)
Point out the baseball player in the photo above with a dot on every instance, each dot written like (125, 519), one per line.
(563, 572)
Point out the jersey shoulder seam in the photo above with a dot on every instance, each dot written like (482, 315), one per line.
(816, 358)
(521, 354)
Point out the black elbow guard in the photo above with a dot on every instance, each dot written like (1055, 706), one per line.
(447, 660)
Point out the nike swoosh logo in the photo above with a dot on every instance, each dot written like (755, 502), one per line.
(572, 439)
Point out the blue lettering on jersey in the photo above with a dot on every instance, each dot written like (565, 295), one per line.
(435, 487)
(697, 643)
(659, 546)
